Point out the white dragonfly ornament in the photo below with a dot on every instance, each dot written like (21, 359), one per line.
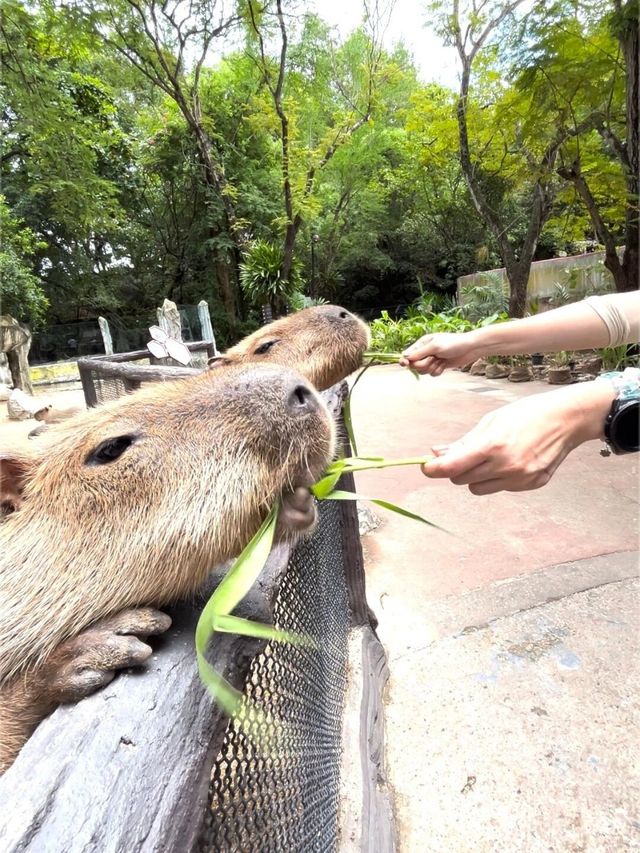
(162, 346)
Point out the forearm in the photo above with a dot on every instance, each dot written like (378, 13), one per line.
(571, 327)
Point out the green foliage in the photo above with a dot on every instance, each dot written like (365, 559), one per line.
(617, 358)
(261, 275)
(480, 301)
(21, 294)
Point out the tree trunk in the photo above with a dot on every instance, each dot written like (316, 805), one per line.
(518, 277)
(630, 43)
(227, 292)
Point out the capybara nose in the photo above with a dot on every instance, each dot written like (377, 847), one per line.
(302, 400)
(335, 312)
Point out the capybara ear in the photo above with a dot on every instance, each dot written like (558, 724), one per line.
(218, 361)
(14, 473)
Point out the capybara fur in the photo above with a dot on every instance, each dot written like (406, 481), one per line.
(325, 344)
(129, 506)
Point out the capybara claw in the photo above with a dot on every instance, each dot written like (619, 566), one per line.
(141, 621)
(87, 662)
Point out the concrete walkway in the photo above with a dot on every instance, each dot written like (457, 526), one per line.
(512, 716)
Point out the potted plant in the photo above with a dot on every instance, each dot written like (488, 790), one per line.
(560, 372)
(496, 368)
(520, 370)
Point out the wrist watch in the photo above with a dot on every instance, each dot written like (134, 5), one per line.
(622, 425)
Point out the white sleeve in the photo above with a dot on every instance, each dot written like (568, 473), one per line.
(622, 329)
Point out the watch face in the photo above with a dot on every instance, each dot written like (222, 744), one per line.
(624, 426)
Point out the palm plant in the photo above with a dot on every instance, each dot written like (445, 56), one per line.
(261, 276)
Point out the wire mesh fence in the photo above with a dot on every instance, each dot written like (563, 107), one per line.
(276, 780)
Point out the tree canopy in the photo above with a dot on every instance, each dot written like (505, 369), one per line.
(153, 149)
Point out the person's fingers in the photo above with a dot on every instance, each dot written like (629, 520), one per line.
(478, 474)
(523, 483)
(424, 365)
(459, 459)
(489, 487)
(440, 449)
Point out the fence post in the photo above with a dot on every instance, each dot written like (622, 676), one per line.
(105, 331)
(206, 328)
(169, 320)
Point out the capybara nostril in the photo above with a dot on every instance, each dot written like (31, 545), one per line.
(302, 400)
(335, 312)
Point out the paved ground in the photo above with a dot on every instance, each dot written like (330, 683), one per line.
(512, 722)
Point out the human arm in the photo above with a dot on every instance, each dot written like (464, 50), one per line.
(519, 446)
(594, 322)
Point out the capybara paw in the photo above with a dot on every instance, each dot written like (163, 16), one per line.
(83, 664)
(298, 513)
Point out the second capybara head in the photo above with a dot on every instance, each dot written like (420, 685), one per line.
(324, 343)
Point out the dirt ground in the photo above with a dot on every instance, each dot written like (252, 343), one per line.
(14, 434)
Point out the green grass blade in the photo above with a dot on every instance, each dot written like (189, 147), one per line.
(244, 572)
(324, 486)
(247, 628)
(339, 495)
(366, 463)
(227, 697)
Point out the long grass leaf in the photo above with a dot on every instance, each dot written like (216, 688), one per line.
(247, 628)
(339, 495)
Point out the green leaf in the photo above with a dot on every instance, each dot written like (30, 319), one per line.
(247, 628)
(352, 496)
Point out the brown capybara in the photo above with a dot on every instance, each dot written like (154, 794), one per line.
(129, 506)
(325, 344)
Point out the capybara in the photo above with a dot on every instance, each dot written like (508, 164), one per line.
(325, 344)
(126, 508)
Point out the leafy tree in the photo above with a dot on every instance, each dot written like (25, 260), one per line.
(321, 97)
(600, 156)
(21, 294)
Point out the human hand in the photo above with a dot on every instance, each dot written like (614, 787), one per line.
(519, 446)
(434, 353)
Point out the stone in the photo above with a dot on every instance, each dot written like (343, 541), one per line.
(559, 376)
(496, 371)
(368, 521)
(5, 392)
(478, 368)
(21, 406)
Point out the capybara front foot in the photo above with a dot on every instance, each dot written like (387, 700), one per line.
(298, 514)
(83, 664)
(76, 668)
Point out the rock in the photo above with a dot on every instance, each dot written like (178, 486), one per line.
(591, 365)
(21, 406)
(5, 392)
(520, 374)
(478, 368)
(368, 521)
(559, 376)
(496, 371)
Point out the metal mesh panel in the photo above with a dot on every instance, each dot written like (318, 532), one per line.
(276, 787)
(107, 387)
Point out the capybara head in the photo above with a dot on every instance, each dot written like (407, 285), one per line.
(325, 344)
(133, 503)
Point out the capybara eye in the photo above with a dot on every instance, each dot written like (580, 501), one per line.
(109, 450)
(265, 347)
